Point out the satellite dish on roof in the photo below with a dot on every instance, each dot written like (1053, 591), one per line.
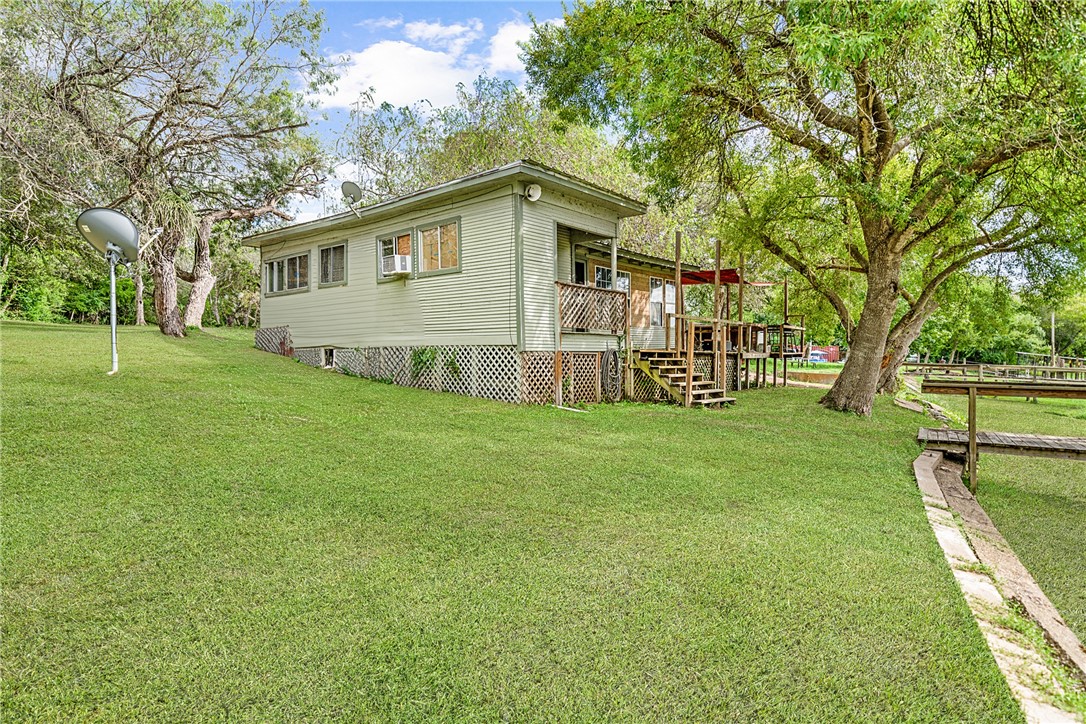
(353, 194)
(113, 234)
(533, 192)
(106, 228)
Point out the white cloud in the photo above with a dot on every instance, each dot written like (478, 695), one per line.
(429, 67)
(400, 73)
(453, 38)
(381, 23)
(504, 52)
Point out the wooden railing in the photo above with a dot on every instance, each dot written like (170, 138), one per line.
(991, 371)
(997, 388)
(591, 309)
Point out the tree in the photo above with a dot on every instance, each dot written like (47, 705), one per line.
(492, 123)
(185, 110)
(925, 128)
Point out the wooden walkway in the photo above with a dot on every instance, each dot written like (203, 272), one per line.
(1005, 443)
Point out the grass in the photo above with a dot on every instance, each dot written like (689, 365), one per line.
(222, 533)
(1038, 504)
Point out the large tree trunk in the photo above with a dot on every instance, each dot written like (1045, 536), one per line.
(903, 334)
(854, 390)
(137, 277)
(203, 281)
(165, 278)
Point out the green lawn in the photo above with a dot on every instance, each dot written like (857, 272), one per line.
(1039, 505)
(222, 533)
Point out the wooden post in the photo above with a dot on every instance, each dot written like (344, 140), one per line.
(742, 275)
(558, 377)
(972, 456)
(742, 329)
(614, 264)
(716, 315)
(667, 321)
(599, 388)
(680, 308)
(628, 376)
(785, 303)
(689, 363)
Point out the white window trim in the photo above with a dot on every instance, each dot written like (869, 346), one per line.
(665, 285)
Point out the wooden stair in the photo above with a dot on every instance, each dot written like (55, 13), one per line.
(668, 369)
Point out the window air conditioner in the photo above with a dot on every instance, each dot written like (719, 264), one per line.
(396, 264)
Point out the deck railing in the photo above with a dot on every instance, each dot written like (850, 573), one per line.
(591, 309)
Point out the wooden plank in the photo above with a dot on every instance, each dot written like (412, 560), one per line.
(1071, 448)
(971, 460)
(1054, 389)
(689, 364)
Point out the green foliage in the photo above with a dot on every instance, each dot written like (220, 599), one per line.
(492, 123)
(982, 320)
(178, 113)
(423, 360)
(905, 140)
(452, 364)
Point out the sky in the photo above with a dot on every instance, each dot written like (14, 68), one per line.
(416, 51)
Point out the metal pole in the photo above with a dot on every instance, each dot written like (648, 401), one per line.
(113, 307)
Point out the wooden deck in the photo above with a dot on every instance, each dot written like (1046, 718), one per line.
(1004, 443)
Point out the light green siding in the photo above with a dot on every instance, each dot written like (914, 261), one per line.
(545, 260)
(576, 342)
(647, 337)
(475, 306)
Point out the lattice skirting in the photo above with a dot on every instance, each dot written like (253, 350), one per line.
(585, 378)
(492, 372)
(275, 340)
(645, 389)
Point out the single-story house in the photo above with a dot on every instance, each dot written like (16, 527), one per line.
(507, 284)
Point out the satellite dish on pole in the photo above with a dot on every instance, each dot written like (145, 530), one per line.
(353, 194)
(114, 235)
(102, 227)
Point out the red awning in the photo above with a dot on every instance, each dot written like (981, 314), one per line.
(727, 276)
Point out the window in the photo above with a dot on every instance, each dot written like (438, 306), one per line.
(623, 282)
(661, 300)
(333, 264)
(289, 274)
(603, 279)
(394, 254)
(440, 247)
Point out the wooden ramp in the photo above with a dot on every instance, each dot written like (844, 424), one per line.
(1004, 443)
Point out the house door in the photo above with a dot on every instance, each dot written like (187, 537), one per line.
(580, 271)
